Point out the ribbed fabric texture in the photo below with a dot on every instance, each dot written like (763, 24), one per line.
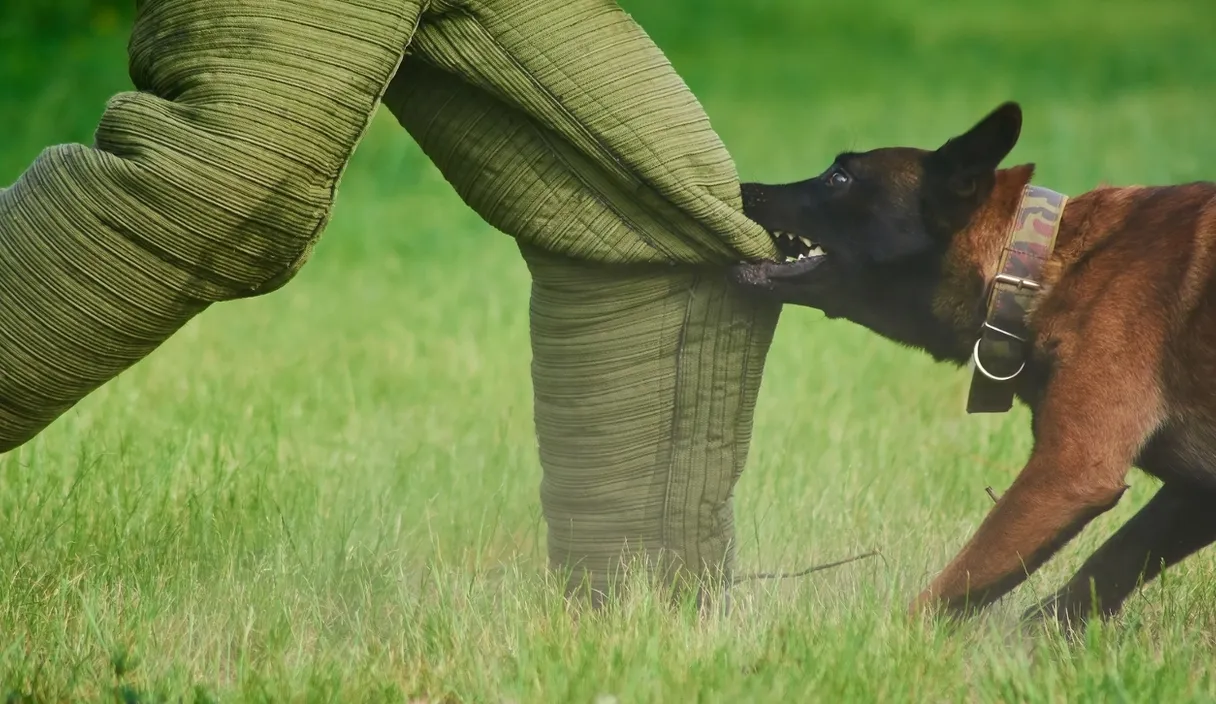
(645, 375)
(629, 151)
(557, 120)
(645, 388)
(210, 183)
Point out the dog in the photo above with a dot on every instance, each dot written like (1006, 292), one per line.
(1098, 312)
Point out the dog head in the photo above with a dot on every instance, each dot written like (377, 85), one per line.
(869, 237)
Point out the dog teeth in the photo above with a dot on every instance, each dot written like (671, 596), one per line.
(815, 252)
(813, 249)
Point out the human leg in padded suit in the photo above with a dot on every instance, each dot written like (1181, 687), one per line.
(214, 180)
(210, 183)
(645, 373)
(645, 386)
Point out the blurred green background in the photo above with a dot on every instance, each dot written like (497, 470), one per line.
(331, 492)
(855, 72)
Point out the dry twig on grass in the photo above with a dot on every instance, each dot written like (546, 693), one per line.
(803, 573)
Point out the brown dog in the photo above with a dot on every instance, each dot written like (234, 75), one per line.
(1098, 312)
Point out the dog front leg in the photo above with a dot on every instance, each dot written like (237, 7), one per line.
(1088, 436)
(1043, 510)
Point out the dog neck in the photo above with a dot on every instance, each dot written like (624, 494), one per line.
(974, 258)
(1006, 337)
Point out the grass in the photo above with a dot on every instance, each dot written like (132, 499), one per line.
(330, 493)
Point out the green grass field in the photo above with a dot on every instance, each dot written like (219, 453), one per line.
(330, 493)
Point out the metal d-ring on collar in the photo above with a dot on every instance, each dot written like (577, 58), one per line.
(1029, 243)
(975, 357)
(975, 352)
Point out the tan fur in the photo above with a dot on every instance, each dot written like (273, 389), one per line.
(978, 250)
(1122, 366)
(1127, 325)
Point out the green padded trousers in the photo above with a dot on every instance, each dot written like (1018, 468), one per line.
(558, 121)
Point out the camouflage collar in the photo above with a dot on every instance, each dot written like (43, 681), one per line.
(1005, 339)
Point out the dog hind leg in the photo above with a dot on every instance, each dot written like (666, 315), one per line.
(1178, 521)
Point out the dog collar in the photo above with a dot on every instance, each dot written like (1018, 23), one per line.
(1003, 347)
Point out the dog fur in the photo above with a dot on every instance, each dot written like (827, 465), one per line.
(1122, 370)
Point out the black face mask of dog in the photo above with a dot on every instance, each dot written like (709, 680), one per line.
(865, 240)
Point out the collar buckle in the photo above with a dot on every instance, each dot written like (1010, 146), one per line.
(1018, 281)
(1005, 334)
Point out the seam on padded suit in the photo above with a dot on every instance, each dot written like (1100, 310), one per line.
(545, 139)
(628, 221)
(322, 217)
(557, 104)
(713, 311)
(737, 456)
(528, 123)
(677, 392)
(748, 338)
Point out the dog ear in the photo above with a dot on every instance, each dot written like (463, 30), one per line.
(981, 149)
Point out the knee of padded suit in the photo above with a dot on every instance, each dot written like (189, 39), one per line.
(225, 162)
(209, 183)
(230, 223)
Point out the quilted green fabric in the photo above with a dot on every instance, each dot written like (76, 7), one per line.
(645, 385)
(557, 120)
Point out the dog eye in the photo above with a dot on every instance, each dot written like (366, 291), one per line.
(838, 178)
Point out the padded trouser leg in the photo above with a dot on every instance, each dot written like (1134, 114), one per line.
(557, 120)
(210, 183)
(645, 388)
(565, 126)
(596, 158)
